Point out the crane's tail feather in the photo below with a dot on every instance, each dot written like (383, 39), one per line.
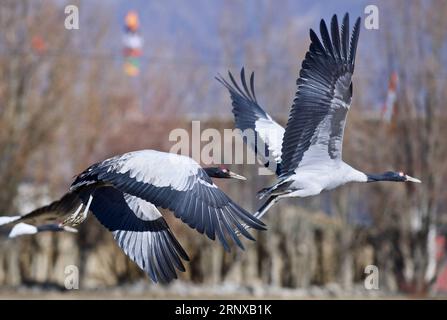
(22, 229)
(8, 220)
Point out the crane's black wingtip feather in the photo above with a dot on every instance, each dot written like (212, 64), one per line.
(322, 25)
(178, 247)
(250, 237)
(357, 25)
(218, 77)
(186, 257)
(261, 225)
(263, 228)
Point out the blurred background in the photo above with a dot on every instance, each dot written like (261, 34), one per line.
(69, 98)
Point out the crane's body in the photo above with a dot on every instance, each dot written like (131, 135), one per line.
(313, 179)
(308, 152)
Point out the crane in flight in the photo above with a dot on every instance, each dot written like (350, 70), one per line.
(123, 193)
(308, 152)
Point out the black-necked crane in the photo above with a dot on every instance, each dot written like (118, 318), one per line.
(123, 193)
(308, 153)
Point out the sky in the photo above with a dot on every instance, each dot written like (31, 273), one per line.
(182, 25)
(194, 22)
(198, 20)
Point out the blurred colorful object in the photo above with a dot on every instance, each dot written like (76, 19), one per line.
(131, 67)
(38, 44)
(388, 109)
(133, 43)
(132, 22)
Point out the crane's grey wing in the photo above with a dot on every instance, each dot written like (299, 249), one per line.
(314, 131)
(267, 134)
(141, 231)
(176, 183)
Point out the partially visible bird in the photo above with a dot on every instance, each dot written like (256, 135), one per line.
(124, 192)
(22, 228)
(309, 160)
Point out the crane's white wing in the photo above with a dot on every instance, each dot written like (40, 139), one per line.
(316, 124)
(141, 231)
(249, 115)
(177, 183)
(137, 226)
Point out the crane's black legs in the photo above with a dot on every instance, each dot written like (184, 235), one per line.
(280, 188)
(266, 206)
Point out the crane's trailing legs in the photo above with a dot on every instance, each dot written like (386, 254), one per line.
(78, 217)
(266, 206)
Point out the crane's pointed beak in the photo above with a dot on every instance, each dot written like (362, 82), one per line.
(236, 176)
(69, 229)
(411, 179)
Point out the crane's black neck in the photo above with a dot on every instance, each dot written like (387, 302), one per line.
(387, 176)
(216, 172)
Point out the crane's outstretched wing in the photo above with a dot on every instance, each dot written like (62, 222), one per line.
(316, 123)
(248, 114)
(141, 231)
(176, 183)
(137, 226)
